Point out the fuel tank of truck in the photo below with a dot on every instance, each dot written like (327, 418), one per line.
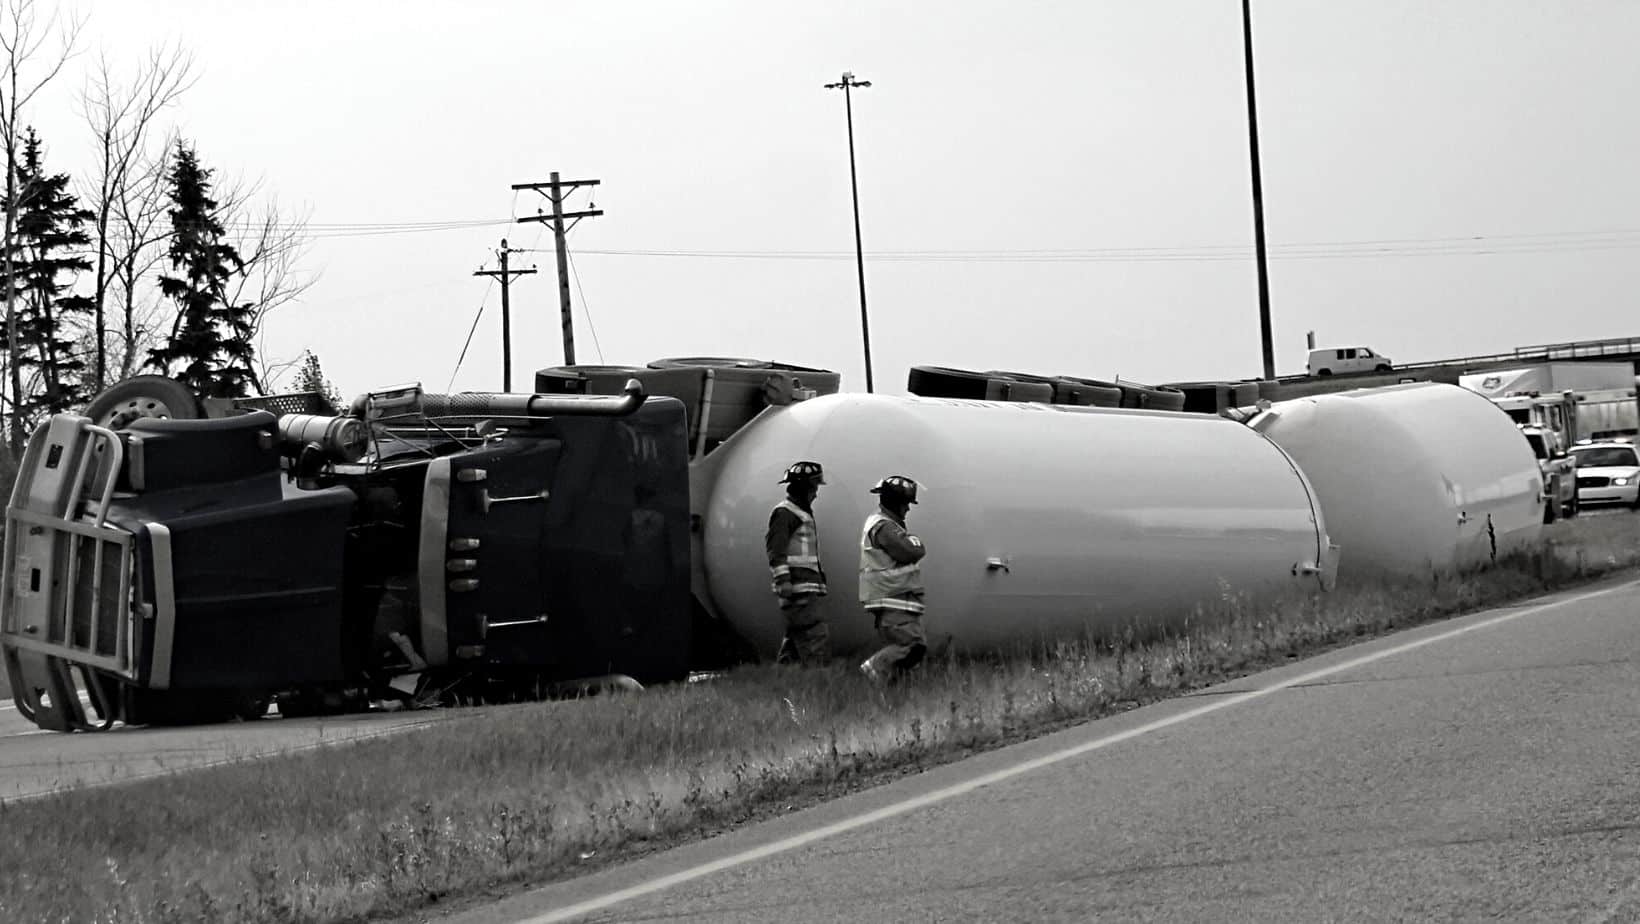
(1042, 522)
(1413, 478)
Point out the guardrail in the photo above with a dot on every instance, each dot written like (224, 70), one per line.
(1624, 347)
(1616, 346)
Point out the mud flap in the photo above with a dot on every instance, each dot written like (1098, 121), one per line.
(44, 690)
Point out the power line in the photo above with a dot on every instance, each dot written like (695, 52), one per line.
(586, 309)
(1205, 254)
(1571, 239)
(463, 357)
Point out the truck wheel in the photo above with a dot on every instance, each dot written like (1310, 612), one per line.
(250, 707)
(143, 396)
(1573, 507)
(1381, 367)
(1323, 372)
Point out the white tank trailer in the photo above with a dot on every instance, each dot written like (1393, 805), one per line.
(1042, 521)
(1413, 479)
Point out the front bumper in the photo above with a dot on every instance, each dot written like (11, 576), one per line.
(1609, 494)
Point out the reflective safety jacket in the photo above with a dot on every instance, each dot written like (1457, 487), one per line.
(793, 544)
(890, 576)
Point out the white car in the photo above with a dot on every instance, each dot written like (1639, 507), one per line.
(1607, 473)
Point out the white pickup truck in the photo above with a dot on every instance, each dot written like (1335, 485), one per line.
(1559, 472)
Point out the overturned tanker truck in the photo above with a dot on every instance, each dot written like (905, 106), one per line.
(170, 560)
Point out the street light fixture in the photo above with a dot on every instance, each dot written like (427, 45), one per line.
(847, 83)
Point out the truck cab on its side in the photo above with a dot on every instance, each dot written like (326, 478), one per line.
(1347, 361)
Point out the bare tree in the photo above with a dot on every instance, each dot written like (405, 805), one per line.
(137, 231)
(272, 245)
(41, 48)
(126, 185)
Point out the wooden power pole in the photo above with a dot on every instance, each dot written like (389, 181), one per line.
(505, 275)
(556, 190)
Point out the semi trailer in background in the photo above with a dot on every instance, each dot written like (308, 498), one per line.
(1603, 395)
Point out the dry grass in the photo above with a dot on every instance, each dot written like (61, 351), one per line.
(541, 791)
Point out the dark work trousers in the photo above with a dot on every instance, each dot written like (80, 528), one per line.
(807, 639)
(903, 642)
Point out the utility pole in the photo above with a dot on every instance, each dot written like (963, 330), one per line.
(555, 190)
(505, 275)
(847, 83)
(1258, 199)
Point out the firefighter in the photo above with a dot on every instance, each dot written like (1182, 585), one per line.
(793, 545)
(891, 584)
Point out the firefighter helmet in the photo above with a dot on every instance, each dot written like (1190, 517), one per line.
(898, 486)
(800, 472)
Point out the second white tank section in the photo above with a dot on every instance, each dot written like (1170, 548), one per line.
(1041, 521)
(1414, 479)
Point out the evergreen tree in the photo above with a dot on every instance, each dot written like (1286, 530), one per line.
(311, 378)
(211, 339)
(49, 242)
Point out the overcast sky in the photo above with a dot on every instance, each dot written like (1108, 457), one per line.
(1441, 176)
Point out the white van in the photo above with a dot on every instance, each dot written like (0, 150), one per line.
(1347, 360)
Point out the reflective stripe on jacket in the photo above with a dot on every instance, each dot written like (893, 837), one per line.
(801, 562)
(885, 583)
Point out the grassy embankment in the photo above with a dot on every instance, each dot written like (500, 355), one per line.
(542, 791)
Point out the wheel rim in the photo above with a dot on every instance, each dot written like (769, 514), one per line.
(135, 408)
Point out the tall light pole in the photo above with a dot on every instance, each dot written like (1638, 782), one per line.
(1258, 197)
(847, 83)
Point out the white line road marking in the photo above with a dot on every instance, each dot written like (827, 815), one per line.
(341, 741)
(950, 792)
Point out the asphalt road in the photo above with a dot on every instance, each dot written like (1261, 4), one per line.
(35, 762)
(1478, 769)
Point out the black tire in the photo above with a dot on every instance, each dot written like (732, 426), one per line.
(714, 362)
(1151, 397)
(740, 389)
(1204, 397)
(1090, 392)
(1165, 399)
(1381, 367)
(1573, 507)
(560, 380)
(1323, 372)
(144, 396)
(1020, 386)
(585, 380)
(941, 382)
